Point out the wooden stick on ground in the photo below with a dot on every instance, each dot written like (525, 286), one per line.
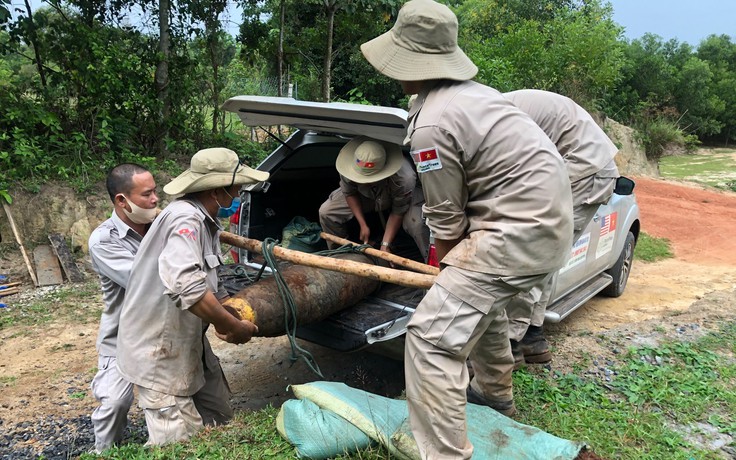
(389, 275)
(7, 285)
(393, 258)
(20, 243)
(7, 292)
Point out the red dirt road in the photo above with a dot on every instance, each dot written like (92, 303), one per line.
(700, 224)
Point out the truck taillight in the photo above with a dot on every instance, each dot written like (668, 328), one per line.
(234, 221)
(432, 257)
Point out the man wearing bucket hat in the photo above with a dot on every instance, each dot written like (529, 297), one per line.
(498, 203)
(588, 155)
(375, 177)
(172, 298)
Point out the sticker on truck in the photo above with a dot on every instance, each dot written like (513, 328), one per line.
(578, 253)
(607, 235)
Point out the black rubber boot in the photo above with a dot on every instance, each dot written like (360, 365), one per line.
(534, 346)
(518, 353)
(506, 408)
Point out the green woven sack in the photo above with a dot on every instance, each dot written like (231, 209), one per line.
(302, 235)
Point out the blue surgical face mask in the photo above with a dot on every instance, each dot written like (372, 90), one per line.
(227, 212)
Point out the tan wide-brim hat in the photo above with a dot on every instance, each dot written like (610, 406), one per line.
(365, 160)
(214, 168)
(422, 45)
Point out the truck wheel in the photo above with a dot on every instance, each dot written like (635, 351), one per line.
(621, 269)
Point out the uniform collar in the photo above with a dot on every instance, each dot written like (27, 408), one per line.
(421, 97)
(123, 228)
(416, 107)
(198, 204)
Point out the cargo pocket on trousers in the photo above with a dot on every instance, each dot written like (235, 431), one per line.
(449, 319)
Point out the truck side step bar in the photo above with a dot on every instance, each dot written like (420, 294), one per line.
(572, 301)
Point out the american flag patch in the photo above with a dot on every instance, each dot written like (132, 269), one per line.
(608, 224)
(426, 159)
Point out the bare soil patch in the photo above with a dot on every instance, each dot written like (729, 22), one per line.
(46, 370)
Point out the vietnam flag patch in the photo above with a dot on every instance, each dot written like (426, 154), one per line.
(426, 159)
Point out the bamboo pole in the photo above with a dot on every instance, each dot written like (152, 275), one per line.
(393, 258)
(20, 243)
(7, 285)
(7, 292)
(388, 275)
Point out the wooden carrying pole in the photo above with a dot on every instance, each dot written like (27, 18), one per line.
(8, 285)
(393, 258)
(20, 243)
(11, 291)
(388, 275)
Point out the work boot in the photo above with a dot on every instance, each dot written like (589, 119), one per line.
(506, 408)
(534, 346)
(518, 354)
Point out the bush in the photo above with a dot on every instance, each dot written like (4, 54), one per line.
(660, 134)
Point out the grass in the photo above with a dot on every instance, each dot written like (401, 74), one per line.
(714, 169)
(647, 411)
(77, 302)
(651, 249)
(248, 436)
(664, 402)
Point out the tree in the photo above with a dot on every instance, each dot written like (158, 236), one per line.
(568, 47)
(162, 73)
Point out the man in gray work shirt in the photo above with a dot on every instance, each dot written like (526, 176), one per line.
(112, 247)
(174, 295)
(588, 155)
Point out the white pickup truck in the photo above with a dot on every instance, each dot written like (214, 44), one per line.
(303, 174)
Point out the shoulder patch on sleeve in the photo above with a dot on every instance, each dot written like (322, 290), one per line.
(189, 233)
(426, 159)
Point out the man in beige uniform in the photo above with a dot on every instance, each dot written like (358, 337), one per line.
(172, 298)
(588, 154)
(498, 201)
(375, 177)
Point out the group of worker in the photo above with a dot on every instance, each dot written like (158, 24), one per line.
(508, 182)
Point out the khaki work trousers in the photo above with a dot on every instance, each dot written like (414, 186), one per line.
(334, 214)
(463, 315)
(172, 418)
(588, 194)
(115, 395)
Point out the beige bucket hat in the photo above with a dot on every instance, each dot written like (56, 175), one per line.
(365, 160)
(422, 45)
(213, 168)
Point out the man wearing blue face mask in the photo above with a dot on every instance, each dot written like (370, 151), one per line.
(174, 295)
(112, 247)
(227, 212)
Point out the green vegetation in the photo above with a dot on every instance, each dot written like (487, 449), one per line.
(59, 304)
(715, 169)
(645, 406)
(248, 436)
(652, 249)
(662, 134)
(133, 93)
(653, 399)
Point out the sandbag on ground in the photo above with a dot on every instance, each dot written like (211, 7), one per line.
(317, 433)
(497, 437)
(385, 420)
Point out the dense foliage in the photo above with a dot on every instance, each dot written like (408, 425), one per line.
(85, 84)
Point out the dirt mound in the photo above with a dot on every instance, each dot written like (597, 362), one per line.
(699, 223)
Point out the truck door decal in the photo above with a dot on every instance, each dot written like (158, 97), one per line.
(607, 235)
(578, 253)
